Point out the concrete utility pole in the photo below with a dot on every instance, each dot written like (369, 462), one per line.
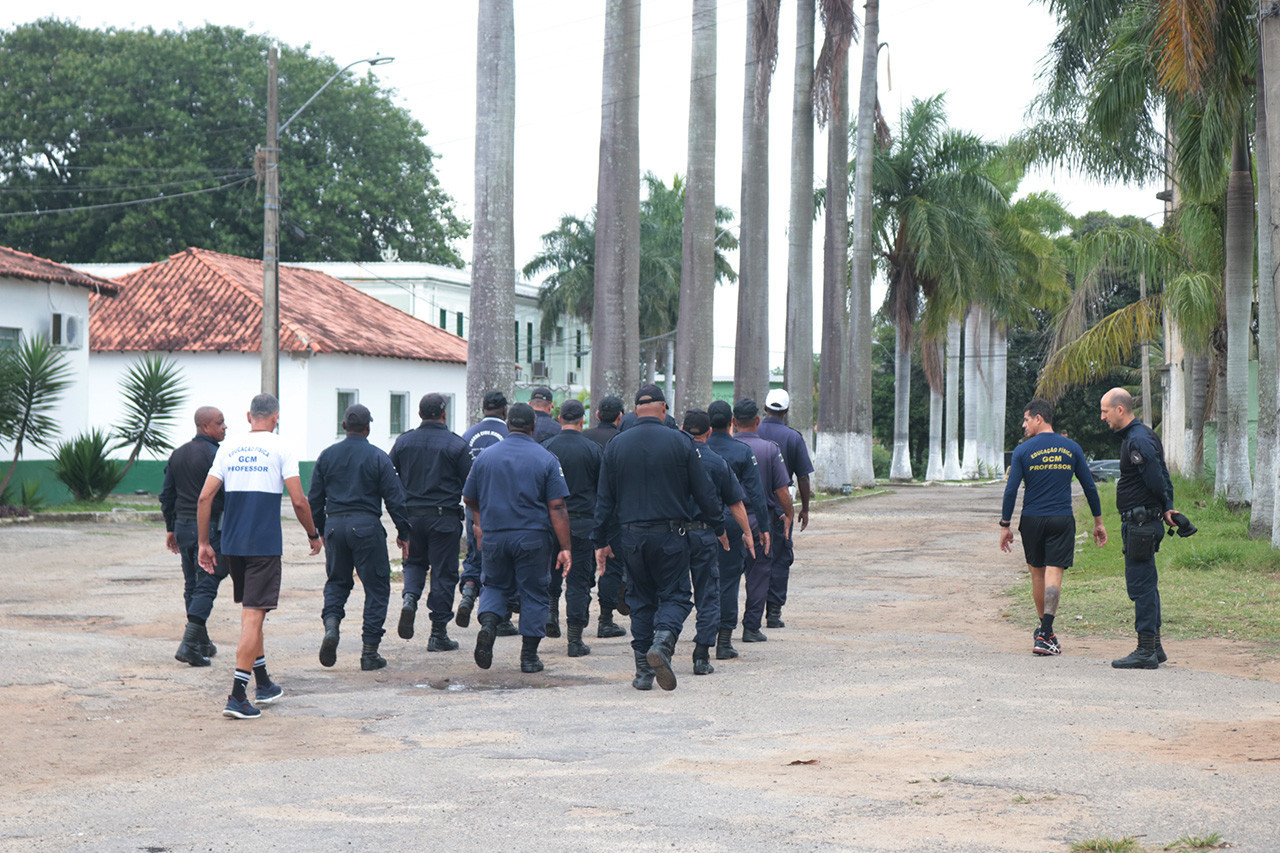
(271, 235)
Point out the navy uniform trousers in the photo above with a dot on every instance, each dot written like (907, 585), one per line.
(732, 565)
(433, 548)
(199, 588)
(357, 542)
(658, 586)
(582, 574)
(514, 565)
(783, 557)
(1140, 578)
(704, 571)
(759, 572)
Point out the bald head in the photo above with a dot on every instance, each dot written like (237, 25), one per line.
(1117, 408)
(209, 421)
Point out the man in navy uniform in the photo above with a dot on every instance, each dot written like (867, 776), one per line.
(516, 494)
(433, 463)
(1144, 497)
(580, 463)
(485, 432)
(795, 455)
(183, 479)
(542, 402)
(742, 462)
(613, 581)
(649, 478)
(704, 549)
(351, 481)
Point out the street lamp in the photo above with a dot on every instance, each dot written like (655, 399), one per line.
(271, 216)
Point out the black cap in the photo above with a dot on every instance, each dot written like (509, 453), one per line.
(745, 409)
(542, 392)
(356, 416)
(609, 408)
(720, 414)
(494, 400)
(431, 406)
(649, 394)
(696, 422)
(572, 410)
(520, 417)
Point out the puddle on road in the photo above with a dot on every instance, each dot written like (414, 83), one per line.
(514, 682)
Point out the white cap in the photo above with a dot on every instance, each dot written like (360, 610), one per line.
(777, 400)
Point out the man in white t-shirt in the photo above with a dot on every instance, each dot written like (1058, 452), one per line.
(253, 471)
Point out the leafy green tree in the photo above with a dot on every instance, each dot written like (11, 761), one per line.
(31, 384)
(153, 391)
(99, 119)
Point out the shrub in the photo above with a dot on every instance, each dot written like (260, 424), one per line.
(82, 465)
(881, 459)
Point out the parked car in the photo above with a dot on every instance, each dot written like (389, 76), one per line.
(1104, 470)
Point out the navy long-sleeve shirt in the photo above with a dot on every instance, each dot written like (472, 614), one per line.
(1048, 462)
(1144, 478)
(184, 478)
(433, 464)
(353, 477)
(728, 490)
(649, 474)
(580, 460)
(742, 462)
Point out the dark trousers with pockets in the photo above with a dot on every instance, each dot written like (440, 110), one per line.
(582, 574)
(357, 543)
(433, 548)
(704, 571)
(611, 580)
(1141, 579)
(783, 557)
(732, 564)
(758, 572)
(658, 589)
(199, 588)
(515, 566)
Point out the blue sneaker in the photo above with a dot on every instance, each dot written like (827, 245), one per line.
(269, 694)
(240, 709)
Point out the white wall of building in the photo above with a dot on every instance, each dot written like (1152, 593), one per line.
(29, 306)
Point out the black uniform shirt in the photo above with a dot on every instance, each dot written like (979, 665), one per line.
(1144, 479)
(544, 426)
(354, 477)
(184, 478)
(580, 459)
(742, 462)
(601, 434)
(433, 463)
(648, 476)
(728, 490)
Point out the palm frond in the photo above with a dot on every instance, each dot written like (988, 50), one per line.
(1184, 40)
(1101, 350)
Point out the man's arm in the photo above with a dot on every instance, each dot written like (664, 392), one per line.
(739, 512)
(788, 510)
(302, 510)
(204, 508)
(805, 490)
(473, 505)
(559, 513)
(317, 497)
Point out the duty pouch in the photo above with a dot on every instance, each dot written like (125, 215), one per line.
(1141, 541)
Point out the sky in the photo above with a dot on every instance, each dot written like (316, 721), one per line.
(984, 56)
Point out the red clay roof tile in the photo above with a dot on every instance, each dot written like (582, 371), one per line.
(15, 264)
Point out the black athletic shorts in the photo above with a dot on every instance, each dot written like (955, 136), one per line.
(255, 581)
(1048, 540)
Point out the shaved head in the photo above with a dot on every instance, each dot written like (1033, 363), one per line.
(1119, 398)
(206, 415)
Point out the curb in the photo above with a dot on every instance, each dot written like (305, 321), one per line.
(115, 516)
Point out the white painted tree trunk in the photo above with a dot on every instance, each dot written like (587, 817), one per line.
(900, 467)
(983, 392)
(1000, 396)
(1237, 483)
(798, 362)
(1269, 48)
(933, 469)
(1176, 432)
(972, 394)
(1264, 469)
(951, 365)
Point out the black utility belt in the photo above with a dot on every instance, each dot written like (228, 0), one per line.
(673, 525)
(1141, 514)
(436, 510)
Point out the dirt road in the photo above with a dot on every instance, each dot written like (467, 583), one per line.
(899, 710)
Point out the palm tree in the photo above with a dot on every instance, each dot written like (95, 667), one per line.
(1269, 81)
(951, 465)
(615, 329)
(798, 362)
(152, 390)
(31, 383)
(490, 355)
(1265, 462)
(694, 333)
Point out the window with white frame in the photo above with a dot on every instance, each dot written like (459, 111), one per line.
(398, 421)
(10, 338)
(346, 397)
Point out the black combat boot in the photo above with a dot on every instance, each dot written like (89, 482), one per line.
(466, 604)
(1143, 657)
(553, 619)
(484, 639)
(724, 645)
(577, 648)
(702, 659)
(329, 645)
(529, 660)
(644, 673)
(189, 650)
(606, 627)
(507, 628)
(370, 659)
(439, 640)
(659, 657)
(753, 635)
(207, 648)
(1161, 657)
(773, 616)
(408, 607)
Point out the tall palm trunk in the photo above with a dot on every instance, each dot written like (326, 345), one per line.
(1265, 467)
(951, 468)
(1236, 482)
(973, 346)
(1000, 397)
(1269, 50)
(798, 362)
(694, 336)
(1144, 354)
(1200, 384)
(934, 373)
(751, 350)
(900, 466)
(984, 392)
(490, 349)
(615, 316)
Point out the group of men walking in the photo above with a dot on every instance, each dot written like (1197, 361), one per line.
(668, 517)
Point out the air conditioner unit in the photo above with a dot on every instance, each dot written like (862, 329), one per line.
(540, 370)
(67, 331)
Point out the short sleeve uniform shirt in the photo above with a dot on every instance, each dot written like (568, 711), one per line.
(253, 469)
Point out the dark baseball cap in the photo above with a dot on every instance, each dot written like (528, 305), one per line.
(610, 407)
(520, 416)
(494, 400)
(696, 422)
(431, 406)
(356, 416)
(649, 394)
(720, 414)
(745, 409)
(542, 392)
(572, 410)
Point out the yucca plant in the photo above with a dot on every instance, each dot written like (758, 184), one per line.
(153, 392)
(32, 380)
(82, 465)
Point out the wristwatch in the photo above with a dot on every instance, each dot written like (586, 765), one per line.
(1004, 523)
(316, 535)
